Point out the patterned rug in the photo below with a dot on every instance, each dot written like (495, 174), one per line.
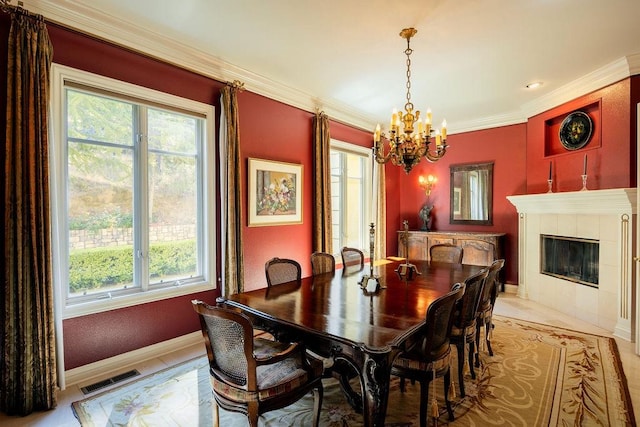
(538, 376)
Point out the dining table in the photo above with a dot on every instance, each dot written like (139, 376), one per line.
(336, 317)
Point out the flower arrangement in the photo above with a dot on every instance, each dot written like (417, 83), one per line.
(278, 196)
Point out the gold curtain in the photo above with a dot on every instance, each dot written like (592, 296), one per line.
(28, 363)
(321, 184)
(379, 190)
(232, 193)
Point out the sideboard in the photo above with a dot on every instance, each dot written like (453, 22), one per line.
(419, 242)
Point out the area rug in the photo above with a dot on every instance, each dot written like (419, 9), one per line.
(539, 376)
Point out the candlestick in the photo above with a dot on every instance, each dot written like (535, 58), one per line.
(584, 183)
(550, 183)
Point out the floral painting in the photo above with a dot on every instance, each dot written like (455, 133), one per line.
(275, 193)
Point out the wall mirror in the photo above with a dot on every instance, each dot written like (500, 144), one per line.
(471, 194)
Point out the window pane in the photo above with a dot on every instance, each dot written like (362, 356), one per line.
(173, 217)
(96, 118)
(172, 132)
(100, 214)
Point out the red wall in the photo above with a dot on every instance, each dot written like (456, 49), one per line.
(505, 147)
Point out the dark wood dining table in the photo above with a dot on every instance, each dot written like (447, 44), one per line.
(336, 318)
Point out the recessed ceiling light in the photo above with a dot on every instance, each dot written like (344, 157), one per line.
(534, 85)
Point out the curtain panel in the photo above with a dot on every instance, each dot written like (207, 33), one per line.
(28, 363)
(232, 192)
(321, 184)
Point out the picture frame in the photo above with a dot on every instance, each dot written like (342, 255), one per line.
(275, 193)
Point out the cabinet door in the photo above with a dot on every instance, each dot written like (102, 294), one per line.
(417, 247)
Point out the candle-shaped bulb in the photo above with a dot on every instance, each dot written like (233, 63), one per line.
(420, 127)
(394, 118)
(444, 129)
(431, 179)
(438, 138)
(421, 179)
(376, 134)
(428, 119)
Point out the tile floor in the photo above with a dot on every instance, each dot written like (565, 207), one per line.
(508, 305)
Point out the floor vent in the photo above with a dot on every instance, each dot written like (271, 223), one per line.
(109, 381)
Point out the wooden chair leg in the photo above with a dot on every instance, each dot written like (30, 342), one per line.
(460, 350)
(317, 404)
(487, 327)
(215, 413)
(252, 414)
(424, 402)
(447, 383)
(472, 351)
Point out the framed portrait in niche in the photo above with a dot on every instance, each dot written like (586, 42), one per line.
(275, 193)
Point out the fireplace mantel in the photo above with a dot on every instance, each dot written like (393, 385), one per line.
(592, 202)
(608, 216)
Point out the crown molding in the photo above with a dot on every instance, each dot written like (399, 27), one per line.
(152, 42)
(611, 73)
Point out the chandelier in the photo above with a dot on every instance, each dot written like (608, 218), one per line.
(409, 137)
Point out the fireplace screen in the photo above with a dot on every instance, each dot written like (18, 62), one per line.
(570, 258)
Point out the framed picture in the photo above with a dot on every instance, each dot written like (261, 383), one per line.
(275, 193)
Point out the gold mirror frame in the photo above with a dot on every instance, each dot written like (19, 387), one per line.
(471, 196)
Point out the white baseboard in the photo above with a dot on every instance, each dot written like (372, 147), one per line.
(122, 362)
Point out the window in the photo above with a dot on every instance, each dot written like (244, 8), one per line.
(132, 169)
(350, 196)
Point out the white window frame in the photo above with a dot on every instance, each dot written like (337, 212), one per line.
(57, 155)
(367, 191)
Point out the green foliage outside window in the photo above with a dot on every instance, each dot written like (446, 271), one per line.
(92, 269)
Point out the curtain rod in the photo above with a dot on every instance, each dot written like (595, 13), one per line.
(6, 6)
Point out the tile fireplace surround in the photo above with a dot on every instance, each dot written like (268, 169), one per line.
(605, 215)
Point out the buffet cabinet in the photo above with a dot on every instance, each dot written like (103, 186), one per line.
(418, 243)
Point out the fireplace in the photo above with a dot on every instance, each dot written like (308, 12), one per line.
(570, 258)
(578, 222)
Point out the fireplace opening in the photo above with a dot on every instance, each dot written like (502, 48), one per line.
(570, 258)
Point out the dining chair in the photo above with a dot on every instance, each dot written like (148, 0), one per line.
(430, 357)
(352, 257)
(322, 262)
(463, 332)
(478, 252)
(282, 270)
(253, 375)
(485, 307)
(446, 253)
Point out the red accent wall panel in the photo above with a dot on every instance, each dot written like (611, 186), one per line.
(609, 152)
(271, 130)
(504, 147)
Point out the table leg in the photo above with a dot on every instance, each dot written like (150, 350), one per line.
(375, 377)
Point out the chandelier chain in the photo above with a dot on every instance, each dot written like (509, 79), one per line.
(408, 52)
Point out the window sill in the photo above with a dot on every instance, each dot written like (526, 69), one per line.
(101, 305)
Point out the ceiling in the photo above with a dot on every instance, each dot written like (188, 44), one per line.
(470, 64)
